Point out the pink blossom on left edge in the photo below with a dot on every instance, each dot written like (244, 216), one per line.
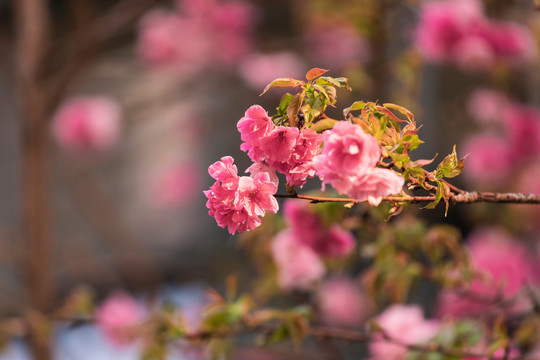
(118, 315)
(348, 161)
(86, 124)
(238, 202)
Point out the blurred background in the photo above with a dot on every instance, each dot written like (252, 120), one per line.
(112, 111)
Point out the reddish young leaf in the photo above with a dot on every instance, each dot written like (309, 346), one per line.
(315, 73)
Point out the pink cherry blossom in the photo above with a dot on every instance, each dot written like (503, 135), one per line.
(458, 31)
(489, 160)
(278, 145)
(205, 27)
(511, 41)
(308, 228)
(348, 161)
(255, 124)
(473, 53)
(347, 150)
(341, 303)
(258, 69)
(442, 24)
(239, 202)
(259, 167)
(406, 324)
(487, 106)
(506, 267)
(298, 265)
(158, 43)
(375, 184)
(87, 124)
(119, 314)
(523, 126)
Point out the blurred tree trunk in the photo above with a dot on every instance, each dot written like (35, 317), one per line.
(32, 24)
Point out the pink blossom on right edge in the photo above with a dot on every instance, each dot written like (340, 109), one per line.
(406, 324)
(489, 161)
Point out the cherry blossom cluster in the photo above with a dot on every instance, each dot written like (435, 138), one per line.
(287, 150)
(205, 25)
(347, 161)
(238, 202)
(457, 31)
(299, 249)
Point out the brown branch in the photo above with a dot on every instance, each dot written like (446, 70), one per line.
(461, 198)
(33, 30)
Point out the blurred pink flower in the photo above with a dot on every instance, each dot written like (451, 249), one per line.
(308, 228)
(404, 323)
(210, 30)
(117, 315)
(442, 24)
(523, 126)
(487, 106)
(177, 185)
(341, 303)
(474, 53)
(87, 124)
(511, 41)
(298, 265)
(336, 45)
(489, 161)
(458, 31)
(506, 267)
(158, 42)
(239, 202)
(258, 70)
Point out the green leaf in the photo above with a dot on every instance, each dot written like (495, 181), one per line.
(315, 73)
(324, 124)
(357, 105)
(285, 101)
(340, 82)
(450, 167)
(283, 82)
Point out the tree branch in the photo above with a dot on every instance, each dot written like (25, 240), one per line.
(467, 197)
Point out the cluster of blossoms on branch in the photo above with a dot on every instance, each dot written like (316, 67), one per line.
(291, 143)
(457, 31)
